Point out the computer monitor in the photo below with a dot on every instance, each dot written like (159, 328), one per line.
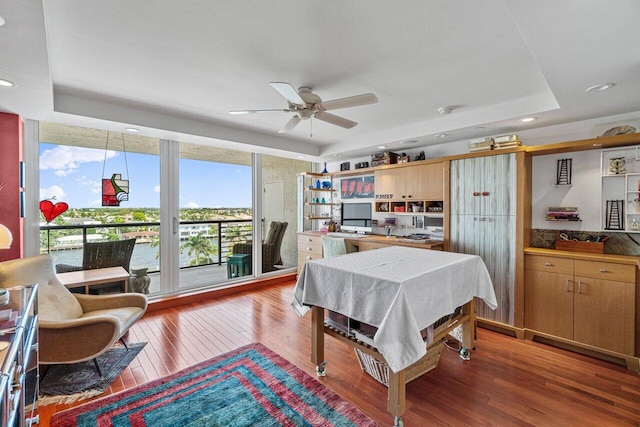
(356, 217)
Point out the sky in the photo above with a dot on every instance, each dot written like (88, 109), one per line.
(74, 174)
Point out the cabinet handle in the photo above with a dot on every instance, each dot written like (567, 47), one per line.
(309, 239)
(485, 193)
(603, 270)
(548, 264)
(476, 193)
(409, 196)
(308, 248)
(309, 257)
(566, 285)
(579, 287)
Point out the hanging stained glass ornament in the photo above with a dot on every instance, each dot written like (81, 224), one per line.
(115, 189)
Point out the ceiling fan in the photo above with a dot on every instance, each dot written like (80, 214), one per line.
(306, 104)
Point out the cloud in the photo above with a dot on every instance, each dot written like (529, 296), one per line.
(191, 205)
(53, 192)
(64, 159)
(156, 189)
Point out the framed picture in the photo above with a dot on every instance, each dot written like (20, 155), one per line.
(357, 188)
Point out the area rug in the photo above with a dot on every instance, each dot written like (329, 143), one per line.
(250, 386)
(80, 381)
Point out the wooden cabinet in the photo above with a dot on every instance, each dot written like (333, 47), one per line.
(403, 187)
(483, 222)
(590, 301)
(309, 247)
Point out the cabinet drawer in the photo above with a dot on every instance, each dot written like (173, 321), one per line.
(306, 240)
(606, 271)
(550, 264)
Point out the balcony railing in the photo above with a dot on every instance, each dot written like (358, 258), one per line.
(221, 235)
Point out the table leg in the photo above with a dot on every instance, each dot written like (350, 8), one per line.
(317, 339)
(396, 401)
(468, 330)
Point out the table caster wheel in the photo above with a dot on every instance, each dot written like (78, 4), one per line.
(321, 369)
(397, 421)
(465, 354)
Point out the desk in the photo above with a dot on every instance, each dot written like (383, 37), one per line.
(399, 290)
(98, 276)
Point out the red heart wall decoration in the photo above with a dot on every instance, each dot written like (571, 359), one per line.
(50, 210)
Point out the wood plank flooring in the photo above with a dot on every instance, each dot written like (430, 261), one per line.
(507, 381)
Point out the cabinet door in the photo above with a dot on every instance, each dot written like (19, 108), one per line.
(463, 186)
(425, 182)
(490, 237)
(604, 314)
(548, 302)
(483, 185)
(497, 178)
(391, 182)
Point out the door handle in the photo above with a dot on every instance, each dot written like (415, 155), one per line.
(176, 225)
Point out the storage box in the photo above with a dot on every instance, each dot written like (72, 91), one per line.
(578, 246)
(573, 246)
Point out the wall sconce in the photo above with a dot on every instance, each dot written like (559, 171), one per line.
(5, 237)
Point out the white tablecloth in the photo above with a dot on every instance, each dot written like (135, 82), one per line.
(400, 290)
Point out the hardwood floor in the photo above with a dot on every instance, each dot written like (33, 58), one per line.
(507, 381)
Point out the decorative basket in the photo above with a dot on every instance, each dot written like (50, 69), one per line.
(380, 370)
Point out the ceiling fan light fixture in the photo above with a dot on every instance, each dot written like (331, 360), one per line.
(600, 87)
(7, 83)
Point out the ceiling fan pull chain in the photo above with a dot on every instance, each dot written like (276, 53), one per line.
(311, 127)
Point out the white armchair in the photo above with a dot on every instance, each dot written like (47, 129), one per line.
(72, 327)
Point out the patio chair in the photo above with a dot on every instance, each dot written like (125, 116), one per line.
(270, 246)
(102, 255)
(72, 327)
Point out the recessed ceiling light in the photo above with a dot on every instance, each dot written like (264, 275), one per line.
(301, 157)
(132, 129)
(409, 141)
(527, 119)
(445, 110)
(1, 21)
(600, 87)
(440, 135)
(337, 155)
(6, 83)
(382, 147)
(480, 127)
(597, 144)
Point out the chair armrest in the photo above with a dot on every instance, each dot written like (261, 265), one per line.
(104, 302)
(66, 268)
(76, 340)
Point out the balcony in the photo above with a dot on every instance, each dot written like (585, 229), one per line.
(213, 244)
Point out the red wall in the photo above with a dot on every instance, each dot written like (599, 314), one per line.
(11, 140)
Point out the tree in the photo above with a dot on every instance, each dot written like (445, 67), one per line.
(201, 247)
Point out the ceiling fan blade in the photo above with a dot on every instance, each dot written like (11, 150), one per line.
(288, 91)
(259, 111)
(334, 120)
(290, 124)
(351, 101)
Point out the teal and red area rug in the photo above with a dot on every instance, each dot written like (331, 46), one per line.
(250, 386)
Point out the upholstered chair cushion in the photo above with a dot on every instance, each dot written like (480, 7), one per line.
(55, 302)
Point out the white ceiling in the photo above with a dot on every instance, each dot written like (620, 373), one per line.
(174, 69)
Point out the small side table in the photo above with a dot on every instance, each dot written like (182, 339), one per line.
(238, 265)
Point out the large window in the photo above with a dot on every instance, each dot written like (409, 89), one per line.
(184, 202)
